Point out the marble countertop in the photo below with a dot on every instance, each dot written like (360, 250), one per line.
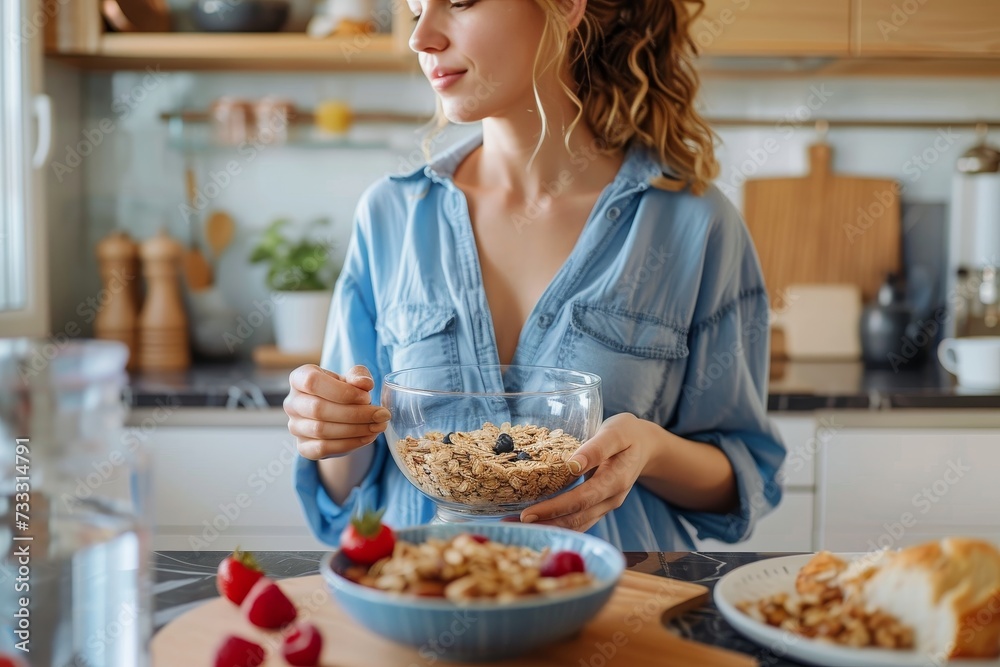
(185, 579)
(794, 386)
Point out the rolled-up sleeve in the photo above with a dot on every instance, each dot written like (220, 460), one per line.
(724, 397)
(350, 340)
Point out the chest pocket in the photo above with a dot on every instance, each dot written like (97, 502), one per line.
(418, 334)
(640, 360)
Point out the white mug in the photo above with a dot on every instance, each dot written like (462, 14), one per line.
(975, 361)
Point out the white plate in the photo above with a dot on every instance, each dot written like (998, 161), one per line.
(776, 575)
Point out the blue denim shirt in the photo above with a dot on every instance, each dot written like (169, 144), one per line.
(662, 296)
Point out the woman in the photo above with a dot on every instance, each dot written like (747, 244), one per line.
(577, 230)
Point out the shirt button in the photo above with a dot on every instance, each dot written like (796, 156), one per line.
(544, 321)
(613, 213)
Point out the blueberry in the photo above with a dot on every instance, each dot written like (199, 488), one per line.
(505, 444)
(447, 438)
(523, 456)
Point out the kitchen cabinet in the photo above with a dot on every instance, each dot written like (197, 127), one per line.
(216, 487)
(76, 36)
(774, 27)
(790, 526)
(838, 38)
(921, 27)
(787, 528)
(894, 487)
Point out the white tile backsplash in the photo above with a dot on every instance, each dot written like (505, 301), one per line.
(135, 181)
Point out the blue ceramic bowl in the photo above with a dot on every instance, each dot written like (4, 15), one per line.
(482, 630)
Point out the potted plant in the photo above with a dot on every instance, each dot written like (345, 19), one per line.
(301, 274)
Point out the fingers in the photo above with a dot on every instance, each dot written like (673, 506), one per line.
(316, 381)
(331, 415)
(597, 450)
(361, 378)
(612, 480)
(314, 429)
(574, 501)
(321, 449)
(298, 404)
(585, 520)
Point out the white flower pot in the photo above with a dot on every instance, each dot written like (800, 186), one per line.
(300, 320)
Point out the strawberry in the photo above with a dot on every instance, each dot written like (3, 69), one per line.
(237, 574)
(238, 652)
(267, 607)
(562, 562)
(302, 645)
(367, 539)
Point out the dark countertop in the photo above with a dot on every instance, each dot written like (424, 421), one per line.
(184, 579)
(794, 386)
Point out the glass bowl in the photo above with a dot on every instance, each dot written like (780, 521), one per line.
(485, 442)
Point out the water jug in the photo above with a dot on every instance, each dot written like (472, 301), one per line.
(74, 492)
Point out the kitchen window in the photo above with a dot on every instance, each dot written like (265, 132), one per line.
(23, 152)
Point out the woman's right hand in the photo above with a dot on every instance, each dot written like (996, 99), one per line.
(331, 415)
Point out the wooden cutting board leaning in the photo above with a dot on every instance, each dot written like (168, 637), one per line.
(824, 228)
(629, 629)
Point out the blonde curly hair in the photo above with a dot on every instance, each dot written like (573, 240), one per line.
(632, 65)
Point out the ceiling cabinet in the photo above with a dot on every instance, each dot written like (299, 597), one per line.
(77, 35)
(927, 27)
(887, 37)
(774, 28)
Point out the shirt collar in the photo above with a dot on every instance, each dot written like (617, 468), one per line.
(638, 169)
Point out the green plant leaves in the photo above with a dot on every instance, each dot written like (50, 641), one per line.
(296, 266)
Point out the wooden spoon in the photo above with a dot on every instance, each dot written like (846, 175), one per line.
(219, 230)
(197, 271)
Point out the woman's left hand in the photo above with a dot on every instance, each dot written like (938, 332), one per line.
(618, 453)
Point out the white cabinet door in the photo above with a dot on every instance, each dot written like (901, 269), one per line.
(218, 487)
(788, 528)
(802, 438)
(898, 487)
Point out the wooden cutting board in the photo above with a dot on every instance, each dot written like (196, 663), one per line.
(269, 356)
(632, 616)
(824, 228)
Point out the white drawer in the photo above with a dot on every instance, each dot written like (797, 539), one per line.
(898, 487)
(788, 528)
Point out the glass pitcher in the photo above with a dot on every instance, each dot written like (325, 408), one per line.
(74, 581)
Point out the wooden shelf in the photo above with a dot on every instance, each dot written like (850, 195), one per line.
(854, 67)
(275, 51)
